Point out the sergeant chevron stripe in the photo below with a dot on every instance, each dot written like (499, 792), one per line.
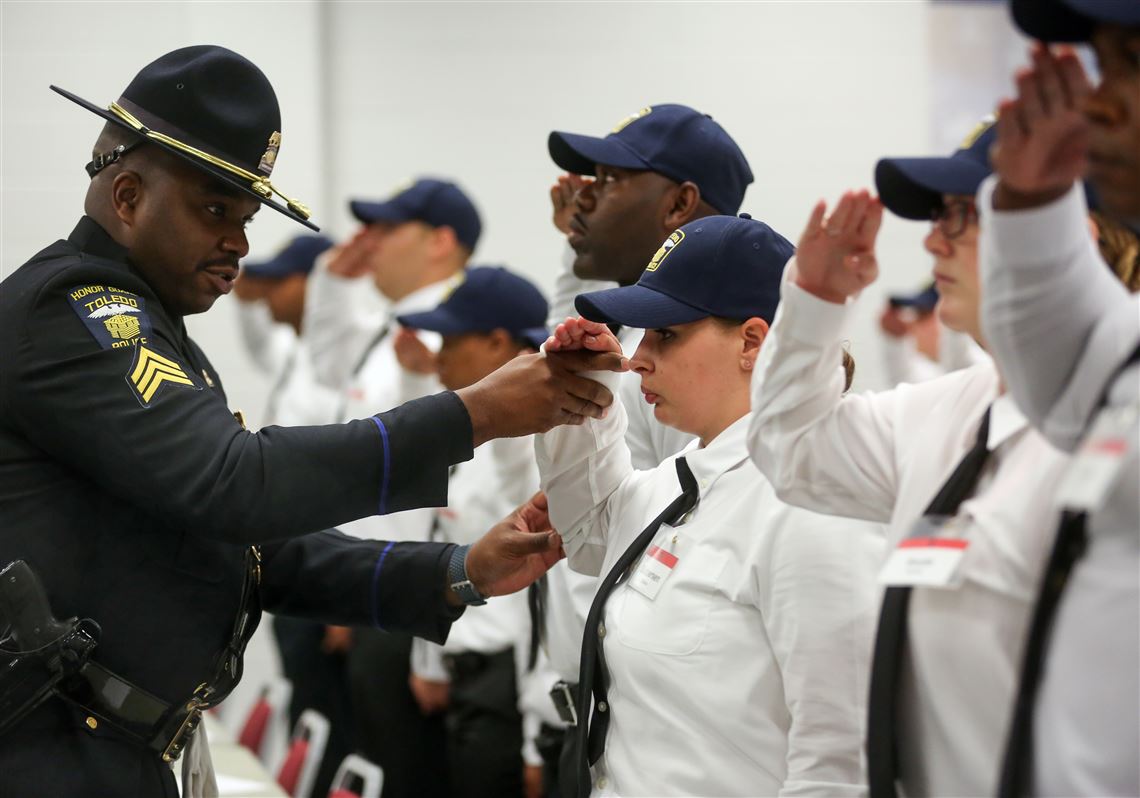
(151, 370)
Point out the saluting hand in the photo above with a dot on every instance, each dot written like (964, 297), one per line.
(413, 354)
(581, 333)
(835, 258)
(1042, 139)
(354, 258)
(562, 200)
(516, 551)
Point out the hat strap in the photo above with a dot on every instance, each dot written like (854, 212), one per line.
(258, 184)
(105, 159)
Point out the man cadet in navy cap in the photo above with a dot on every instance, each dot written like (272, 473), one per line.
(131, 490)
(409, 252)
(477, 676)
(1067, 338)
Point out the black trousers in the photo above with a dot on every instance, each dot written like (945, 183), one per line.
(550, 743)
(484, 727)
(53, 754)
(320, 682)
(390, 729)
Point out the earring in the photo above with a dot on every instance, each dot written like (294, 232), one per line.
(746, 364)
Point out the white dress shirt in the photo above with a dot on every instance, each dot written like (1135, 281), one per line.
(1061, 324)
(296, 398)
(883, 457)
(747, 674)
(902, 362)
(347, 356)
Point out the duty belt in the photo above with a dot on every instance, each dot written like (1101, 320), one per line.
(163, 727)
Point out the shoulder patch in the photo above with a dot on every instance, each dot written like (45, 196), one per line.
(116, 318)
(150, 371)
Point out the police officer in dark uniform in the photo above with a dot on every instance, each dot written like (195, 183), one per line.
(141, 502)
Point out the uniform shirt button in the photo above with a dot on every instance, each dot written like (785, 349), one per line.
(602, 783)
(601, 630)
(603, 706)
(92, 723)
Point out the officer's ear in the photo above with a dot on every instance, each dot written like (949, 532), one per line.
(684, 201)
(126, 193)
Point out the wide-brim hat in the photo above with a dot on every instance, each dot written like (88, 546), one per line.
(212, 108)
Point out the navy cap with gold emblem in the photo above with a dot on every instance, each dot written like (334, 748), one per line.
(213, 108)
(438, 203)
(1072, 20)
(724, 266)
(673, 140)
(913, 187)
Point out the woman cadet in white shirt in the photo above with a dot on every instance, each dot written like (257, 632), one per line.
(947, 652)
(731, 657)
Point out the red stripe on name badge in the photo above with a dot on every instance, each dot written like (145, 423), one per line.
(662, 556)
(1110, 446)
(933, 543)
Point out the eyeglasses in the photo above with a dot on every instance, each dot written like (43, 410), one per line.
(953, 218)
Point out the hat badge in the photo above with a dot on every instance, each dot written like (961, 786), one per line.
(670, 244)
(977, 132)
(623, 124)
(270, 156)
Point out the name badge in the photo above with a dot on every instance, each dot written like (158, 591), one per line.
(655, 567)
(1096, 465)
(930, 556)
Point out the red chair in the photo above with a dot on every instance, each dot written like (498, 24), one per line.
(357, 778)
(303, 758)
(256, 722)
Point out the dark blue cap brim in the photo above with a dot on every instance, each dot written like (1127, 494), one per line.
(913, 187)
(1071, 20)
(637, 306)
(271, 269)
(580, 154)
(443, 321)
(369, 212)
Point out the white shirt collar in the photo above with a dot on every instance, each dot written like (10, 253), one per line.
(1006, 420)
(726, 451)
(428, 297)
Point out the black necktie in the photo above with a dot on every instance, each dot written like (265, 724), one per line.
(882, 706)
(536, 605)
(593, 677)
(374, 342)
(1068, 547)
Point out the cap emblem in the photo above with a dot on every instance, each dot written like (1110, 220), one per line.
(270, 156)
(977, 132)
(623, 124)
(670, 244)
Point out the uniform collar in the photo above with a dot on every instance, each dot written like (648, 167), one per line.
(1006, 420)
(724, 453)
(90, 237)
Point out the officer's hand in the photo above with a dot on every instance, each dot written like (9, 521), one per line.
(534, 393)
(581, 333)
(1042, 136)
(562, 200)
(432, 697)
(835, 258)
(413, 354)
(354, 258)
(516, 551)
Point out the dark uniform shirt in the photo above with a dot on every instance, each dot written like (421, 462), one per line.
(129, 487)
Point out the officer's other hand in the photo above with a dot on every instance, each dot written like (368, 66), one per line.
(413, 354)
(516, 551)
(835, 258)
(431, 697)
(581, 333)
(1042, 139)
(532, 781)
(353, 258)
(534, 393)
(337, 640)
(562, 200)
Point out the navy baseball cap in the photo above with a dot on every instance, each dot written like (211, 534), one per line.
(913, 187)
(672, 140)
(726, 266)
(438, 203)
(489, 298)
(922, 301)
(297, 257)
(1071, 20)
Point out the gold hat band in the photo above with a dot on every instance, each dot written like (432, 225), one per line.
(257, 183)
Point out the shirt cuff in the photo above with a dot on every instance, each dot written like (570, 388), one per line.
(807, 318)
(1031, 236)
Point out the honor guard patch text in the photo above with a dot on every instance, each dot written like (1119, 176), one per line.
(117, 318)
